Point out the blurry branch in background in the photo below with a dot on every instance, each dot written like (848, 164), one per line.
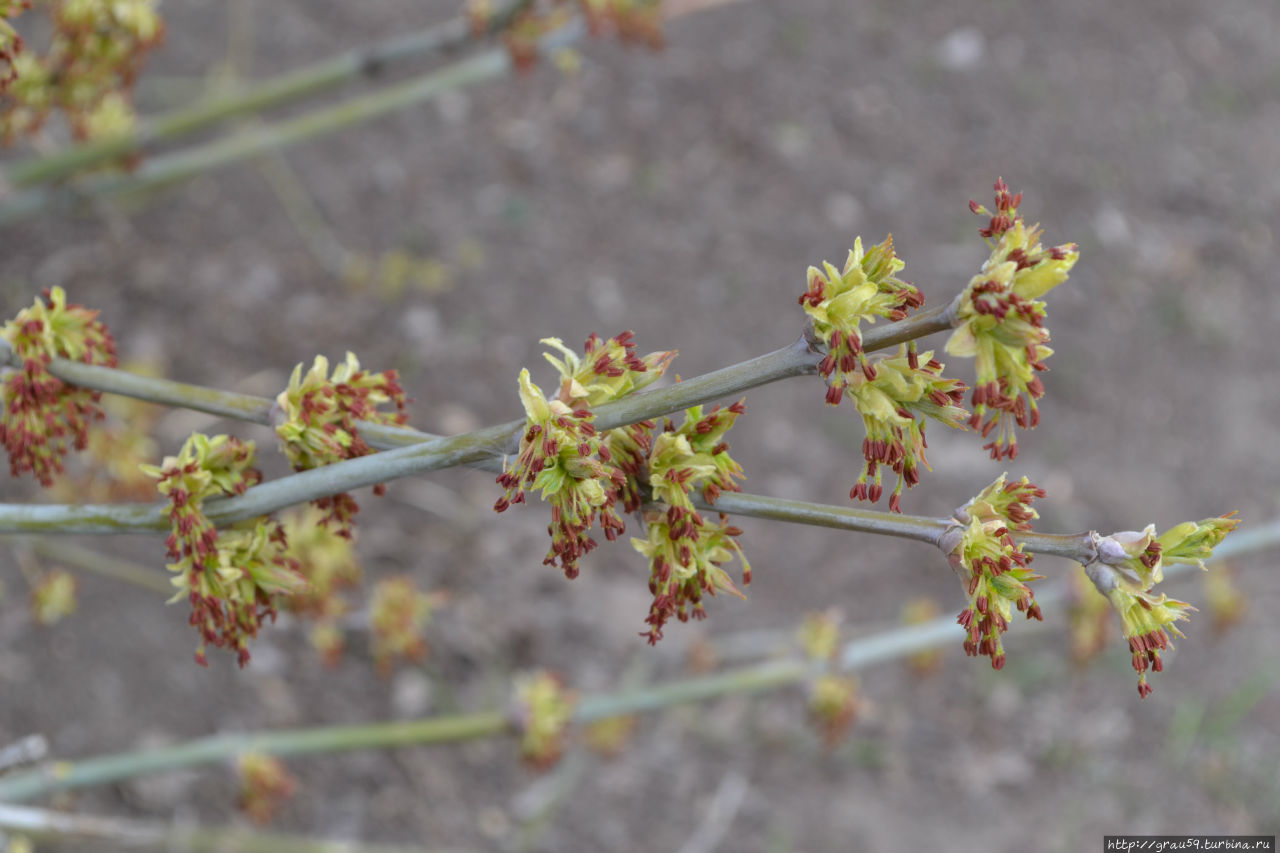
(55, 826)
(165, 169)
(769, 674)
(368, 62)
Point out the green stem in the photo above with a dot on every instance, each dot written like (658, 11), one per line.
(56, 826)
(182, 165)
(767, 675)
(309, 80)
(914, 527)
(93, 560)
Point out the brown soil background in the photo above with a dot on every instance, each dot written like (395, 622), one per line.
(682, 195)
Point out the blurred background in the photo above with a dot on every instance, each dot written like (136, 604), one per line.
(682, 194)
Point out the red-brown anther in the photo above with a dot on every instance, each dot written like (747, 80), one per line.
(895, 503)
(868, 370)
(997, 662)
(874, 491)
(974, 580)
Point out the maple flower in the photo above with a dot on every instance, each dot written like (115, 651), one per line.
(905, 391)
(10, 41)
(607, 370)
(233, 578)
(685, 550)
(992, 566)
(43, 416)
(560, 456)
(543, 711)
(316, 415)
(1130, 563)
(53, 597)
(1001, 322)
(329, 564)
(837, 301)
(398, 615)
(265, 785)
(95, 53)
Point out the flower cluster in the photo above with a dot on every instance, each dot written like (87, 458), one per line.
(637, 21)
(265, 785)
(543, 711)
(328, 563)
(53, 597)
(685, 551)
(398, 614)
(1001, 321)
(1130, 563)
(834, 701)
(316, 417)
(88, 71)
(562, 455)
(233, 578)
(526, 29)
(10, 41)
(895, 399)
(43, 416)
(992, 566)
(837, 301)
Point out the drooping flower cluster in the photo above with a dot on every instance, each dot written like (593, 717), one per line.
(328, 563)
(43, 416)
(1130, 563)
(316, 419)
(562, 455)
(895, 394)
(894, 405)
(398, 615)
(1001, 321)
(265, 785)
(992, 566)
(233, 578)
(97, 49)
(685, 550)
(543, 711)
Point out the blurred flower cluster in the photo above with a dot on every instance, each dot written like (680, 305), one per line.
(87, 71)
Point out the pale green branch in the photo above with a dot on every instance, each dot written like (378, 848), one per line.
(300, 83)
(47, 825)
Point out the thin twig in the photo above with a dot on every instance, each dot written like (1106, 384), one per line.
(44, 824)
